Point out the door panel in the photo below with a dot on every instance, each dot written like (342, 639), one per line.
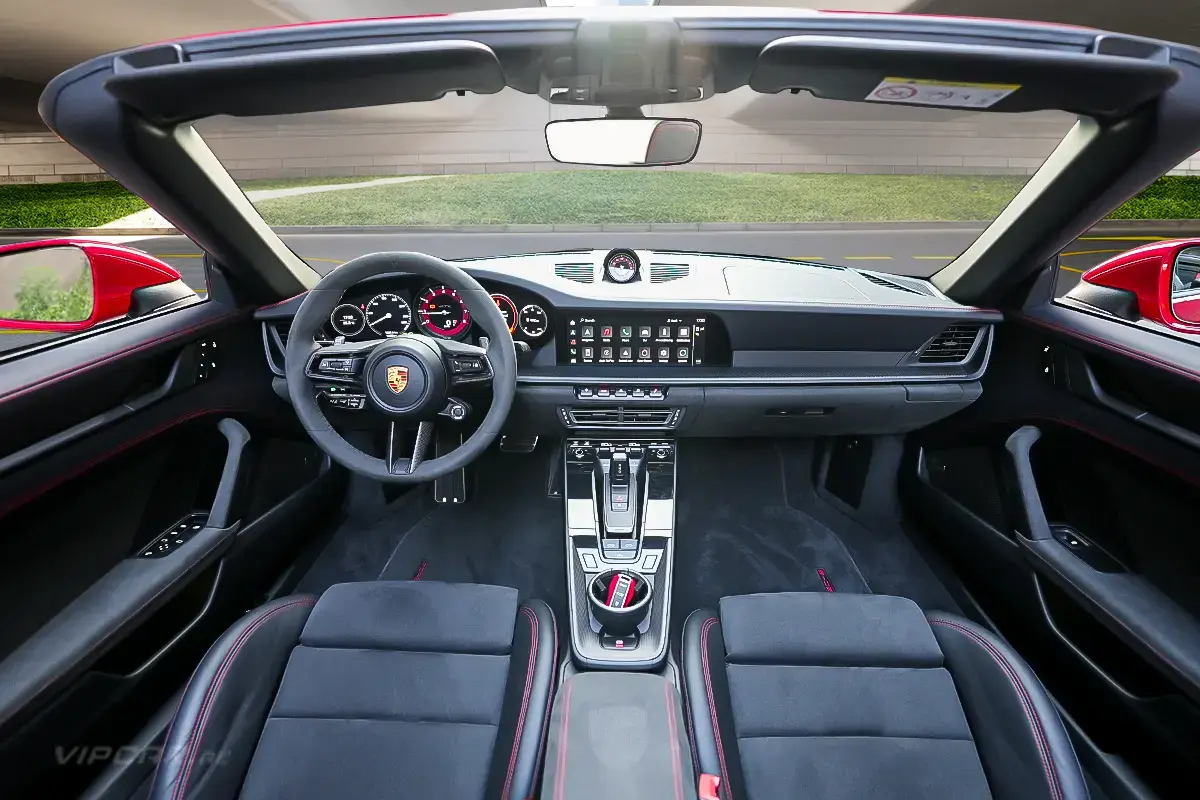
(107, 450)
(1067, 499)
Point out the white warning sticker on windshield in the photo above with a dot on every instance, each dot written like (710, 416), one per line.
(916, 91)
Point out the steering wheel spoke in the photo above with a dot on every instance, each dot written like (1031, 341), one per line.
(466, 364)
(339, 363)
(396, 463)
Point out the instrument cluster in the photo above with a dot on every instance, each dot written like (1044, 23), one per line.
(390, 307)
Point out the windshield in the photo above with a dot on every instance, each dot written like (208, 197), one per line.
(875, 185)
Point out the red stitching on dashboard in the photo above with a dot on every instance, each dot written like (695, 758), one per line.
(107, 357)
(65, 476)
(1116, 348)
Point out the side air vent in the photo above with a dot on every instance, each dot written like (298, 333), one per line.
(880, 281)
(951, 346)
(620, 417)
(580, 273)
(661, 273)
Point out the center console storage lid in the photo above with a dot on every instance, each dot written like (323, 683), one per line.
(618, 735)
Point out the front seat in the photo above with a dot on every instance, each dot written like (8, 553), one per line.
(385, 689)
(831, 696)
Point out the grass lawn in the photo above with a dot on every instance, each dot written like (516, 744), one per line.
(91, 204)
(601, 196)
(614, 196)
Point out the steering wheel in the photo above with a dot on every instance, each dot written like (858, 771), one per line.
(406, 379)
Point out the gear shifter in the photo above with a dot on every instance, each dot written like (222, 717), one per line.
(617, 475)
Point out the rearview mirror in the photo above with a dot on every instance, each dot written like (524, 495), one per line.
(623, 142)
(50, 284)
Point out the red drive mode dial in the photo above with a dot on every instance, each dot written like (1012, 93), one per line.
(443, 312)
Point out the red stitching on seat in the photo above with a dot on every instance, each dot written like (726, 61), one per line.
(537, 764)
(712, 706)
(674, 743)
(210, 694)
(533, 648)
(560, 780)
(1026, 702)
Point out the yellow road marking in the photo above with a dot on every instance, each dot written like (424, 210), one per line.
(868, 258)
(1071, 269)
(1091, 252)
(1123, 238)
(327, 260)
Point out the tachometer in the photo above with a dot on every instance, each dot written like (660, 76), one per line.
(443, 312)
(348, 320)
(389, 314)
(508, 310)
(534, 321)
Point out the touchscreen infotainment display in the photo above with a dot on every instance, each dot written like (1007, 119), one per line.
(658, 339)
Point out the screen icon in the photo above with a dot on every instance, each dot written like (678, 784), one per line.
(606, 332)
(587, 353)
(683, 354)
(606, 352)
(684, 331)
(588, 331)
(644, 352)
(626, 353)
(664, 332)
(645, 332)
(626, 331)
(664, 353)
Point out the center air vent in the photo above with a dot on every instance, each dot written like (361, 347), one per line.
(661, 273)
(580, 273)
(951, 346)
(620, 417)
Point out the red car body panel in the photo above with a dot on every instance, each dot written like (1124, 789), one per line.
(117, 272)
(1146, 271)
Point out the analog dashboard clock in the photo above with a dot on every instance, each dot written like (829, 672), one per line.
(621, 266)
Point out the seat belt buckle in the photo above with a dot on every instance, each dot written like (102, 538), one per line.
(710, 785)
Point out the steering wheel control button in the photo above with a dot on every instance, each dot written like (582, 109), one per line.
(342, 366)
(466, 365)
(456, 410)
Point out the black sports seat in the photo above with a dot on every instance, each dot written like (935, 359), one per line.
(830, 696)
(388, 689)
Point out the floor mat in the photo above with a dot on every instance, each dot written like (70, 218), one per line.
(736, 534)
(509, 534)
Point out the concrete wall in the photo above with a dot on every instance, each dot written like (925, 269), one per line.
(743, 131)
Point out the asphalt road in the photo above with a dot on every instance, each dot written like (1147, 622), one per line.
(909, 251)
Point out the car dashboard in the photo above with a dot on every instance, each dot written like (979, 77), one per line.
(693, 343)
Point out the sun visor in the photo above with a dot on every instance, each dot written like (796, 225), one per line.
(962, 76)
(303, 80)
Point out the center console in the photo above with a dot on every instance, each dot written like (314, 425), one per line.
(620, 498)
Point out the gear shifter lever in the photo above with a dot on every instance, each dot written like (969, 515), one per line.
(618, 482)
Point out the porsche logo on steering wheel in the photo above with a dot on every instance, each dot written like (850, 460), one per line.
(397, 378)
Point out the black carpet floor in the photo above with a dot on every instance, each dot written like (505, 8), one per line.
(509, 534)
(748, 519)
(736, 534)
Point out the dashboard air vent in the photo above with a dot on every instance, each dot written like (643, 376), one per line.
(951, 346)
(620, 417)
(580, 273)
(661, 273)
(880, 281)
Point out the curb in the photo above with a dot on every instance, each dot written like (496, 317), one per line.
(1107, 226)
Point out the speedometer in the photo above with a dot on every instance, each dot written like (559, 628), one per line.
(389, 314)
(443, 312)
(534, 321)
